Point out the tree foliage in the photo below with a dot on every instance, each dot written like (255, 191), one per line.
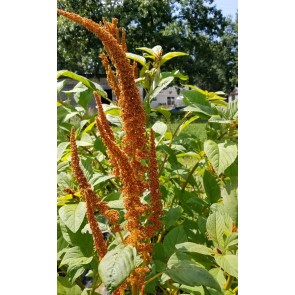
(195, 27)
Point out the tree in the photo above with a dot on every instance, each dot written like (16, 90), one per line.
(196, 27)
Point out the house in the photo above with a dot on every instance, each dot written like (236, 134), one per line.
(167, 98)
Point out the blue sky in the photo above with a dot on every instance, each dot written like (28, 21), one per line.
(228, 7)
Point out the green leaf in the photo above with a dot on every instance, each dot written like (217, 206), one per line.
(221, 155)
(190, 274)
(65, 287)
(136, 57)
(179, 256)
(148, 50)
(171, 55)
(160, 128)
(229, 263)
(86, 140)
(218, 274)
(115, 120)
(171, 216)
(194, 248)
(175, 236)
(72, 215)
(230, 202)
(86, 166)
(60, 149)
(60, 85)
(211, 186)
(197, 101)
(93, 86)
(164, 112)
(116, 266)
(174, 73)
(219, 224)
(83, 240)
(163, 84)
(186, 123)
(74, 256)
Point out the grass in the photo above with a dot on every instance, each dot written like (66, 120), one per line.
(197, 130)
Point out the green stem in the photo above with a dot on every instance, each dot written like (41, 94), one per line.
(228, 282)
(173, 135)
(94, 284)
(189, 176)
(235, 290)
(154, 277)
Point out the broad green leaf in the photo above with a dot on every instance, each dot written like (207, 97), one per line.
(64, 287)
(89, 127)
(190, 274)
(198, 101)
(159, 253)
(69, 116)
(72, 215)
(163, 84)
(60, 149)
(115, 120)
(83, 240)
(174, 237)
(157, 49)
(229, 263)
(60, 85)
(186, 123)
(99, 178)
(86, 166)
(171, 55)
(231, 240)
(86, 140)
(111, 110)
(136, 57)
(148, 50)
(211, 186)
(221, 155)
(197, 290)
(174, 73)
(74, 256)
(94, 86)
(230, 202)
(219, 225)
(218, 274)
(74, 272)
(160, 128)
(171, 216)
(179, 256)
(116, 266)
(194, 248)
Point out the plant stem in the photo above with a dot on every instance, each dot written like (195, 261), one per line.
(120, 234)
(228, 282)
(94, 284)
(152, 278)
(173, 135)
(189, 176)
(134, 290)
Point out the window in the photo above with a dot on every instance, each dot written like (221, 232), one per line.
(170, 100)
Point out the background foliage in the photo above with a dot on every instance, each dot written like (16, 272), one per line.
(195, 27)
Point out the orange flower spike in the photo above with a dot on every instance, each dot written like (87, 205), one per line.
(132, 111)
(110, 76)
(85, 187)
(155, 192)
(96, 232)
(123, 40)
